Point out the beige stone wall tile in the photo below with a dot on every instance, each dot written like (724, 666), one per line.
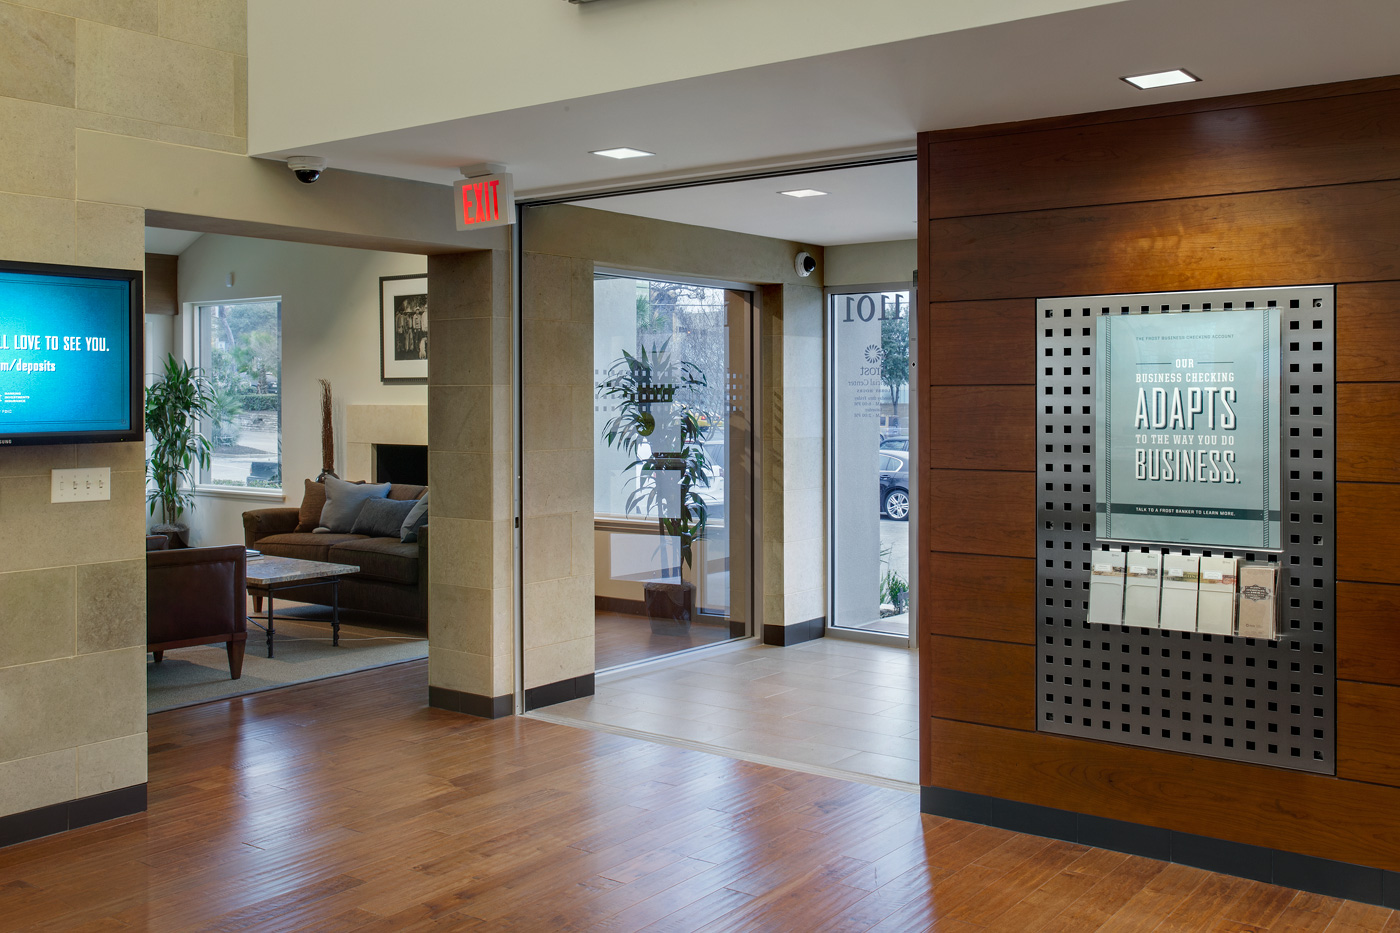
(74, 532)
(36, 148)
(145, 129)
(548, 418)
(111, 606)
(240, 99)
(547, 543)
(772, 612)
(463, 671)
(585, 433)
(36, 229)
(37, 54)
(584, 543)
(128, 14)
(563, 661)
(462, 485)
(119, 458)
(110, 235)
(215, 24)
(557, 611)
(463, 552)
(133, 74)
(460, 417)
(808, 521)
(468, 285)
(36, 615)
(464, 352)
(503, 671)
(387, 424)
(468, 619)
(548, 290)
(804, 605)
(37, 461)
(111, 765)
(502, 418)
(72, 701)
(558, 353)
(582, 288)
(557, 482)
(38, 781)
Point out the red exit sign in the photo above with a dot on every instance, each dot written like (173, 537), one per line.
(485, 201)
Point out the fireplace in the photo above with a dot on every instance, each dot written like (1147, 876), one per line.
(401, 463)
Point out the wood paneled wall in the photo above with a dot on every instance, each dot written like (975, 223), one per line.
(1292, 187)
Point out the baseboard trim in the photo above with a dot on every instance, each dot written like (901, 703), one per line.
(473, 704)
(558, 692)
(786, 636)
(1272, 866)
(71, 814)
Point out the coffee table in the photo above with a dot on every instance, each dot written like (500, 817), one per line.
(267, 575)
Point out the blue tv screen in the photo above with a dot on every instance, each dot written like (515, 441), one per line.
(70, 354)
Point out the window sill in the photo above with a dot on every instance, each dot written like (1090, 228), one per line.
(241, 492)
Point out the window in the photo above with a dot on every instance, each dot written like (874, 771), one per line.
(238, 348)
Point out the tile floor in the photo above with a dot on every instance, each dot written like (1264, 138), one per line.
(834, 707)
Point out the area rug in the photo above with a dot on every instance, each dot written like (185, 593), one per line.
(303, 652)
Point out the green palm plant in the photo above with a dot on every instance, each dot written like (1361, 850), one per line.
(174, 406)
(646, 386)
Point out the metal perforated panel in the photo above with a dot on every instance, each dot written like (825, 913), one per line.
(1266, 702)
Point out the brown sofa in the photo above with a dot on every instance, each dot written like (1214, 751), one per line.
(196, 596)
(393, 577)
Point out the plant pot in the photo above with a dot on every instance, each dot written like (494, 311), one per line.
(670, 607)
(179, 534)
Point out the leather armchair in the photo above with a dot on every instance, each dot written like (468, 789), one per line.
(197, 596)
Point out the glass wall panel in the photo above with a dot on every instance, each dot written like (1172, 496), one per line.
(673, 466)
(870, 461)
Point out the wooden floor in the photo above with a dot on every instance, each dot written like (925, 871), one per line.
(619, 638)
(346, 805)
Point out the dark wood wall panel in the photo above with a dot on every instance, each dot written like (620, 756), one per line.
(1347, 821)
(979, 597)
(1368, 733)
(1004, 332)
(1368, 432)
(162, 283)
(1345, 233)
(1261, 148)
(989, 682)
(1368, 533)
(1281, 188)
(980, 512)
(1368, 342)
(982, 428)
(1368, 646)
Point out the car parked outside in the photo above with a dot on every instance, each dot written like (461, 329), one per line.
(895, 442)
(894, 484)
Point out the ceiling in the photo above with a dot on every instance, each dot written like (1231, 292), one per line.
(169, 242)
(826, 108)
(868, 204)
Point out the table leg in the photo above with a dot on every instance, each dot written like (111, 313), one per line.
(335, 613)
(270, 632)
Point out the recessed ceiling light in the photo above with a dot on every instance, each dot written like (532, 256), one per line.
(803, 193)
(623, 152)
(1161, 79)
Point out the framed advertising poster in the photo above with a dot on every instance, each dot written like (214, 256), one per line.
(403, 327)
(1187, 428)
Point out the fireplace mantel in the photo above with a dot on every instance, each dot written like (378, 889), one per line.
(367, 425)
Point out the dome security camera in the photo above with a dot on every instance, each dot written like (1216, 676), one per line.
(805, 264)
(306, 168)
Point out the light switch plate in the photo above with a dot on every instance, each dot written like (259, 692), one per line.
(82, 485)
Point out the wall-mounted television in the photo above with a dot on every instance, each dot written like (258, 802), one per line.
(70, 354)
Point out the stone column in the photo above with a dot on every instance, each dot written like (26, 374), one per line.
(471, 654)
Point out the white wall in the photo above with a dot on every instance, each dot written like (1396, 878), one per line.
(322, 70)
(330, 330)
(887, 263)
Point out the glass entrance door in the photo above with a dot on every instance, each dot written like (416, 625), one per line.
(673, 467)
(870, 461)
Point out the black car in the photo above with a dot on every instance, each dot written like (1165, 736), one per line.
(894, 484)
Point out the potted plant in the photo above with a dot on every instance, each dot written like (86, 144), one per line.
(174, 406)
(660, 425)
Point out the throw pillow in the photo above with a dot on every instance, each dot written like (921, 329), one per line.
(312, 502)
(382, 518)
(416, 519)
(344, 501)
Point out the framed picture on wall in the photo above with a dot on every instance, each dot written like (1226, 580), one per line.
(403, 327)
